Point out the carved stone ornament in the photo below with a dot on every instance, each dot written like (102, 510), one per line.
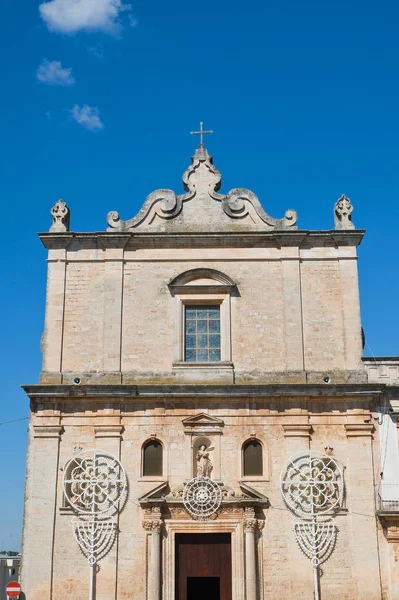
(61, 215)
(202, 208)
(343, 213)
(155, 526)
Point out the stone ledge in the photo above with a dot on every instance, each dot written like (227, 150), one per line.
(362, 391)
(108, 431)
(47, 431)
(359, 429)
(297, 431)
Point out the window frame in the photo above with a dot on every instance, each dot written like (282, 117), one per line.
(212, 299)
(245, 444)
(185, 334)
(265, 460)
(145, 443)
(202, 286)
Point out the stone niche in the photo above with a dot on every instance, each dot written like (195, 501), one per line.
(202, 429)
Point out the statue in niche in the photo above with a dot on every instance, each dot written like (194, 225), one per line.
(204, 463)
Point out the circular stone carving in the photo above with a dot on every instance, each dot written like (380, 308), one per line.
(202, 497)
(312, 484)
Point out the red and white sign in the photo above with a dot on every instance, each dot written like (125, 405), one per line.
(13, 589)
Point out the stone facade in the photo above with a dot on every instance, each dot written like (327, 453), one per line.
(291, 376)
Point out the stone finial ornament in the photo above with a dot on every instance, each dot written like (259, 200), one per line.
(343, 213)
(61, 215)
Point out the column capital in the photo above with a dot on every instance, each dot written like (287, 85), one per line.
(47, 431)
(154, 526)
(251, 524)
(359, 429)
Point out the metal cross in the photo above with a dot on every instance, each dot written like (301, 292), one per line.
(201, 132)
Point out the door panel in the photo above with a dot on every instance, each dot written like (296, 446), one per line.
(203, 555)
(203, 588)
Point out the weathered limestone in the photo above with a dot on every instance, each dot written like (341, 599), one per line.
(291, 378)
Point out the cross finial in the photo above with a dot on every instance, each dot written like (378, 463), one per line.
(201, 133)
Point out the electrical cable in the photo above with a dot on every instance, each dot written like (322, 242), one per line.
(14, 420)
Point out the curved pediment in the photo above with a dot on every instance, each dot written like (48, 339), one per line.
(202, 280)
(198, 275)
(202, 208)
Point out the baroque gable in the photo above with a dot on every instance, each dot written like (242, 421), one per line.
(202, 207)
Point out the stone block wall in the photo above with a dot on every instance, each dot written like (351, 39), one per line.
(111, 318)
(122, 426)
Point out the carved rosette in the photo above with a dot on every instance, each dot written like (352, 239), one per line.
(61, 216)
(343, 213)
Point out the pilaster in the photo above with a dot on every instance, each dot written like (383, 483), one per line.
(113, 303)
(361, 504)
(294, 360)
(39, 517)
(108, 436)
(52, 339)
(297, 431)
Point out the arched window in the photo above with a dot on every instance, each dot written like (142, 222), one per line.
(252, 458)
(152, 458)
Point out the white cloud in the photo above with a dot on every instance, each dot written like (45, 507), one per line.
(52, 73)
(70, 16)
(87, 116)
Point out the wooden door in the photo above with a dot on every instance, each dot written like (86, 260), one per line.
(203, 566)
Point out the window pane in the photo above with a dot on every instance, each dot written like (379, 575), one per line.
(202, 341)
(214, 341)
(253, 458)
(190, 355)
(152, 459)
(202, 334)
(214, 326)
(191, 326)
(214, 355)
(202, 326)
(202, 356)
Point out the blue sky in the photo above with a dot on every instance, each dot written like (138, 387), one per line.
(97, 99)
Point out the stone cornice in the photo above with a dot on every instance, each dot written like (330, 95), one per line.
(297, 431)
(359, 429)
(361, 390)
(47, 431)
(274, 239)
(108, 431)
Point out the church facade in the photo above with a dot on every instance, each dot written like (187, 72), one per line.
(205, 341)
